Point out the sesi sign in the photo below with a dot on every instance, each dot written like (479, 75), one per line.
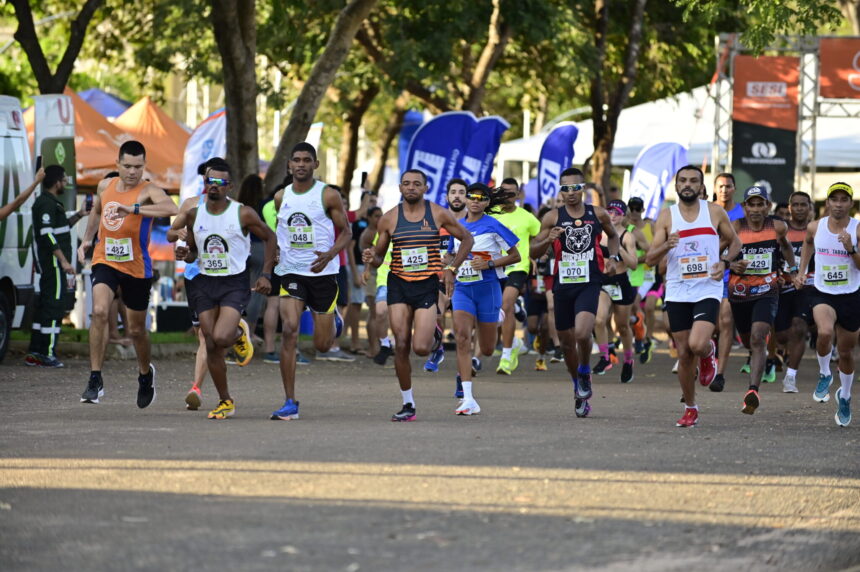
(839, 68)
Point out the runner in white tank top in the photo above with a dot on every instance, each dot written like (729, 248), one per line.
(835, 300)
(222, 244)
(691, 235)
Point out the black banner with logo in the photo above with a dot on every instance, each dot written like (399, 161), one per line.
(764, 156)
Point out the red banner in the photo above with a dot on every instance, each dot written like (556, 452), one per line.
(765, 90)
(839, 72)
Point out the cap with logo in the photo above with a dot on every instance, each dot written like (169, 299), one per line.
(756, 191)
(620, 206)
(636, 202)
(844, 187)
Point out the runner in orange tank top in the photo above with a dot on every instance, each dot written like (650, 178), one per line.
(124, 208)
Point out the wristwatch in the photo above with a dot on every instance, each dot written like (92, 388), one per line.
(136, 208)
(266, 275)
(491, 263)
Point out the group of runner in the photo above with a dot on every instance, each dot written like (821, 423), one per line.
(588, 273)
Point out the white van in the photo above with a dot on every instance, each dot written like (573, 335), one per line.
(17, 291)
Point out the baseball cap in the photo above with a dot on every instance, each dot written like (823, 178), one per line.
(617, 205)
(756, 191)
(844, 187)
(636, 202)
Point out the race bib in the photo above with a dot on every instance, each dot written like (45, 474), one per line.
(573, 271)
(614, 291)
(650, 275)
(759, 264)
(467, 274)
(301, 236)
(835, 274)
(416, 259)
(693, 267)
(215, 263)
(118, 250)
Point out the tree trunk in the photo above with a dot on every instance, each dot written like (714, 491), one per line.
(235, 28)
(349, 137)
(497, 39)
(321, 76)
(380, 154)
(52, 82)
(851, 11)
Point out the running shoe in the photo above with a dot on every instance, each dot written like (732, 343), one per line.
(290, 411)
(557, 356)
(638, 325)
(385, 352)
(789, 384)
(301, 359)
(95, 389)
(843, 409)
(515, 359)
(243, 347)
(438, 336)
(582, 387)
(689, 419)
(146, 388)
(627, 372)
(33, 359)
(647, 351)
(638, 346)
(272, 357)
(751, 402)
(436, 358)
(540, 365)
(613, 358)
(718, 384)
(468, 407)
(708, 366)
(769, 375)
(230, 357)
(476, 365)
(504, 367)
(520, 310)
(224, 410)
(603, 365)
(50, 361)
(675, 367)
(746, 367)
(458, 389)
(335, 355)
(338, 323)
(405, 414)
(822, 390)
(194, 399)
(581, 407)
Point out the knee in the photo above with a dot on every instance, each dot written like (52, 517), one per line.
(100, 313)
(463, 338)
(623, 328)
(758, 339)
(401, 345)
(135, 331)
(222, 341)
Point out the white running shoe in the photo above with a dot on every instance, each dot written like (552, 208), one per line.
(468, 407)
(675, 367)
(789, 384)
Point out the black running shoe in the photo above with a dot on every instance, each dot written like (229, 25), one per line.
(582, 390)
(627, 372)
(95, 389)
(718, 384)
(647, 351)
(603, 365)
(146, 388)
(405, 414)
(557, 356)
(385, 352)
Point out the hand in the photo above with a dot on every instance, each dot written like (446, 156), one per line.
(799, 281)
(479, 264)
(82, 249)
(367, 256)
(180, 252)
(263, 286)
(739, 266)
(40, 175)
(673, 239)
(363, 278)
(718, 270)
(182, 234)
(122, 211)
(448, 278)
(554, 233)
(323, 258)
(609, 267)
(68, 268)
(356, 280)
(845, 239)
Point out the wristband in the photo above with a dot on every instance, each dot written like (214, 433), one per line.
(266, 275)
(491, 263)
(451, 268)
(616, 257)
(853, 251)
(792, 268)
(136, 208)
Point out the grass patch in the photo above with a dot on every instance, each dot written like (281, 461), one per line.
(68, 334)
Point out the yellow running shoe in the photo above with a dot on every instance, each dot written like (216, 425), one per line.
(540, 364)
(243, 347)
(504, 367)
(224, 410)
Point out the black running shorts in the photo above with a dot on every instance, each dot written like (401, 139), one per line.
(134, 291)
(847, 307)
(683, 314)
(319, 293)
(221, 291)
(572, 300)
(419, 294)
(760, 310)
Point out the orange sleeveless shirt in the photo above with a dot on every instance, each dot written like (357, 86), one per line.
(123, 241)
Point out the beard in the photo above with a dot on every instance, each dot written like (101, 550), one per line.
(456, 207)
(413, 201)
(688, 196)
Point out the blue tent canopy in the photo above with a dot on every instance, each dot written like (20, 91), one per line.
(108, 105)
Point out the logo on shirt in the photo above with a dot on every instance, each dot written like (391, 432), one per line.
(110, 218)
(691, 246)
(215, 244)
(578, 239)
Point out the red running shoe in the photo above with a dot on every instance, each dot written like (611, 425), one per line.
(689, 419)
(708, 366)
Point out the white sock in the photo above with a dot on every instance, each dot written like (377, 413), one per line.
(790, 372)
(385, 342)
(506, 353)
(847, 379)
(824, 364)
(407, 397)
(467, 390)
(696, 407)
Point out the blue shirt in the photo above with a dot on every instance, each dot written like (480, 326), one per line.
(491, 238)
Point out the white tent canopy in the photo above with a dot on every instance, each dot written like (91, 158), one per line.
(686, 118)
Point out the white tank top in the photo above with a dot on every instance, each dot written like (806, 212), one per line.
(690, 262)
(304, 227)
(223, 248)
(835, 271)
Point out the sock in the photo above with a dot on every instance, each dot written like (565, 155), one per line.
(584, 369)
(696, 407)
(604, 350)
(385, 342)
(334, 348)
(467, 390)
(506, 353)
(790, 372)
(847, 379)
(407, 397)
(628, 356)
(97, 373)
(754, 387)
(824, 364)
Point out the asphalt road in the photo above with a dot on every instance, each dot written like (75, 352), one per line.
(523, 486)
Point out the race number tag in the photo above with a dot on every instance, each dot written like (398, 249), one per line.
(301, 236)
(215, 263)
(467, 274)
(693, 267)
(614, 291)
(650, 276)
(759, 264)
(118, 250)
(835, 274)
(415, 259)
(573, 271)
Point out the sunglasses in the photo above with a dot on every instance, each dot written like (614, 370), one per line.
(217, 182)
(571, 188)
(477, 197)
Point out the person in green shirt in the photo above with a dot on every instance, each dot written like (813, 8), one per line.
(525, 226)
